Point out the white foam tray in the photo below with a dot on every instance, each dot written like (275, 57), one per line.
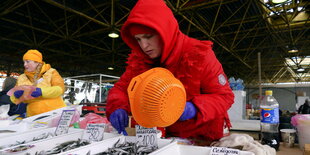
(48, 144)
(30, 123)
(19, 127)
(102, 146)
(94, 147)
(166, 147)
(177, 149)
(51, 114)
(28, 136)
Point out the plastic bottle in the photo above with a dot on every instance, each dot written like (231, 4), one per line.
(270, 120)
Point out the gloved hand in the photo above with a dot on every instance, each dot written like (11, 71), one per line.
(18, 93)
(119, 120)
(189, 112)
(37, 93)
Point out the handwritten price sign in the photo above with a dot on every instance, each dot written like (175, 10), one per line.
(94, 132)
(64, 122)
(224, 151)
(146, 136)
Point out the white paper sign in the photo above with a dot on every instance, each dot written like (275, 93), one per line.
(146, 136)
(223, 151)
(94, 132)
(64, 122)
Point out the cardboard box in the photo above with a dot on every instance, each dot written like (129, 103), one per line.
(301, 93)
(307, 149)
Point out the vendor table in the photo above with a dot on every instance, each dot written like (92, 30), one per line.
(289, 151)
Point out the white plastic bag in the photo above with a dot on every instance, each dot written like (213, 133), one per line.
(4, 109)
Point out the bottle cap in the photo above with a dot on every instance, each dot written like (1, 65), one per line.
(76, 125)
(268, 92)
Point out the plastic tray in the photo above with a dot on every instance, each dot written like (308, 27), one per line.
(29, 136)
(19, 127)
(33, 122)
(177, 149)
(102, 146)
(44, 144)
(50, 143)
(50, 114)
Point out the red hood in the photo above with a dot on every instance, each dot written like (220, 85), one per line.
(156, 15)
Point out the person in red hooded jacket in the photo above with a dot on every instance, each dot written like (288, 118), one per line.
(153, 34)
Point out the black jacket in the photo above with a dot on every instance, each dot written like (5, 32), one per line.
(14, 109)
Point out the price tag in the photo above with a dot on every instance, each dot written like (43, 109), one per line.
(146, 136)
(94, 132)
(64, 122)
(223, 151)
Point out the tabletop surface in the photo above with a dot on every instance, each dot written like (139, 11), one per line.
(289, 151)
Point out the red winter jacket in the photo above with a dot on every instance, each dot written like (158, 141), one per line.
(191, 61)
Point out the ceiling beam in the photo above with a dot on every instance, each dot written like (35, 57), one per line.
(206, 33)
(76, 12)
(15, 6)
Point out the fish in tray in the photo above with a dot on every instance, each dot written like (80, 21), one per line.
(128, 148)
(7, 131)
(19, 148)
(63, 147)
(39, 137)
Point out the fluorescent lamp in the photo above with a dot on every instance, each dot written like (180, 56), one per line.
(113, 34)
(110, 68)
(278, 1)
(300, 69)
(292, 50)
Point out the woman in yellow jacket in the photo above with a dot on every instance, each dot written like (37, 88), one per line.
(49, 85)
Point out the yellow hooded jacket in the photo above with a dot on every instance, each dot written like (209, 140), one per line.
(52, 86)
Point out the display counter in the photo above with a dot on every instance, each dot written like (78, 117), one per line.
(283, 150)
(250, 127)
(289, 151)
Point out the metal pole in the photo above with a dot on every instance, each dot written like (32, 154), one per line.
(259, 77)
(105, 75)
(100, 89)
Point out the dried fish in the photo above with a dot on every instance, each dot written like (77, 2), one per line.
(88, 153)
(40, 118)
(6, 131)
(42, 136)
(18, 143)
(19, 148)
(128, 148)
(63, 147)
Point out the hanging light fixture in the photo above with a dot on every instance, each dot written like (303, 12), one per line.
(300, 69)
(278, 1)
(113, 34)
(293, 49)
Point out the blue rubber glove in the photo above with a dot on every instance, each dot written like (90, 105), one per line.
(190, 112)
(18, 93)
(37, 93)
(119, 120)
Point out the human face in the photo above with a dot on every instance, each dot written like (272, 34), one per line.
(151, 44)
(30, 66)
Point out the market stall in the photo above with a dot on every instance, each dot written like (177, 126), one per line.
(42, 136)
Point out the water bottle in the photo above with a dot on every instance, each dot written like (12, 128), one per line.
(270, 120)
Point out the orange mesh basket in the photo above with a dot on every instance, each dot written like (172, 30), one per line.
(157, 98)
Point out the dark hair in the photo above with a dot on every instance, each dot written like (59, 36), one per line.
(9, 83)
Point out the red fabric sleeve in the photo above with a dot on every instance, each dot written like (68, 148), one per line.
(208, 89)
(216, 96)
